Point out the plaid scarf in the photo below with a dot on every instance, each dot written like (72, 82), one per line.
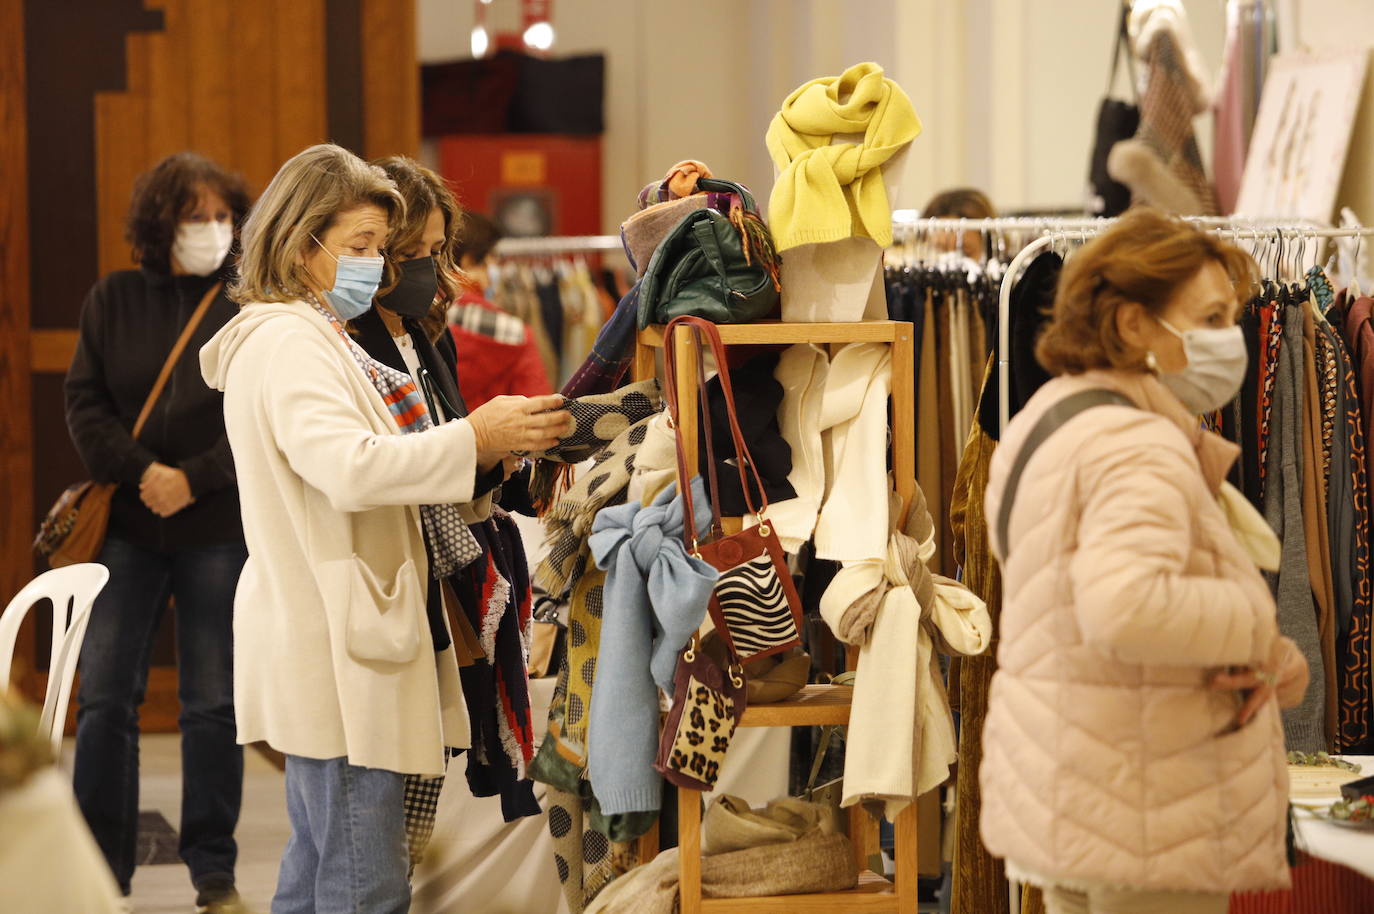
(451, 544)
(610, 356)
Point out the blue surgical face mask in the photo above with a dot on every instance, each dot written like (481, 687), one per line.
(355, 283)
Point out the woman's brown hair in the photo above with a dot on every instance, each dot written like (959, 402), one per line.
(959, 203)
(423, 190)
(167, 193)
(1144, 257)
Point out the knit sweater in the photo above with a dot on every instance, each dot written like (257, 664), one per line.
(655, 598)
(1303, 727)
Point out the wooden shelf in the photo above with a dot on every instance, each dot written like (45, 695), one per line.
(775, 332)
(873, 893)
(813, 706)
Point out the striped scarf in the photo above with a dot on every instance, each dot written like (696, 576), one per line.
(452, 546)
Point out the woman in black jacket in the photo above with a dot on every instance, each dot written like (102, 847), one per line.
(408, 331)
(174, 521)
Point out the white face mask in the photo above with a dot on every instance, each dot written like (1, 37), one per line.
(200, 247)
(1217, 359)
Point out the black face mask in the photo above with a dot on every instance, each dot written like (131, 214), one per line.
(414, 293)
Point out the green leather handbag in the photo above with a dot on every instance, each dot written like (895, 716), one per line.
(720, 267)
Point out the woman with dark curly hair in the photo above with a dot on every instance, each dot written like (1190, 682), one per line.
(174, 520)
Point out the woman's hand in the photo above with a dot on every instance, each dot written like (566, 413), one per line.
(165, 490)
(506, 424)
(1284, 676)
(1255, 685)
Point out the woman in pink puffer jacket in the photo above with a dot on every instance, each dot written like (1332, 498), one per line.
(1133, 752)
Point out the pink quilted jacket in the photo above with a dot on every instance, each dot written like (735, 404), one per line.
(1107, 759)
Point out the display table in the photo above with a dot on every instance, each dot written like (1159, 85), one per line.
(1336, 875)
(477, 862)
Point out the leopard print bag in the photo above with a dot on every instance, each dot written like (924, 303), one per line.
(708, 702)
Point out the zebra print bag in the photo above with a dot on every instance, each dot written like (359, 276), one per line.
(755, 605)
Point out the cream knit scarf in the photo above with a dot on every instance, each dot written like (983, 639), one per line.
(829, 191)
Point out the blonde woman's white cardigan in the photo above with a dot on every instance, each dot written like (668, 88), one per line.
(332, 650)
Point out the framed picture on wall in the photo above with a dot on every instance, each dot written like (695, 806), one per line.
(524, 212)
(1302, 136)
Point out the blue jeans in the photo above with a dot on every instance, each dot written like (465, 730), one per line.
(347, 853)
(114, 680)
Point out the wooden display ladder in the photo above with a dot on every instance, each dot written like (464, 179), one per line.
(815, 705)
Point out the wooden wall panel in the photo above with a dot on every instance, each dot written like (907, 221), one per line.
(253, 65)
(212, 115)
(168, 62)
(299, 50)
(391, 79)
(16, 430)
(121, 153)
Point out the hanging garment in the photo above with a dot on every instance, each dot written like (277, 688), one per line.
(1315, 530)
(1271, 318)
(901, 739)
(929, 432)
(611, 352)
(979, 882)
(656, 596)
(1248, 409)
(1161, 164)
(1230, 138)
(1304, 725)
(758, 396)
(1349, 519)
(496, 687)
(1031, 300)
(834, 418)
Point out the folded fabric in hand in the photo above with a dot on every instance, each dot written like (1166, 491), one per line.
(597, 421)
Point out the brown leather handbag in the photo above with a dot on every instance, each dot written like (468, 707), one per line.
(74, 530)
(755, 605)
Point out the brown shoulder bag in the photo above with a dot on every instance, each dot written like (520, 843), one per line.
(74, 530)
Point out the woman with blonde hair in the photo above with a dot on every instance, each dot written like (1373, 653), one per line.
(344, 478)
(1133, 751)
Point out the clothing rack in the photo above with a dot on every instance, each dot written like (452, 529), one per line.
(1233, 229)
(558, 244)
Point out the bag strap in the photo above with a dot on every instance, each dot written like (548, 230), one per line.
(173, 357)
(1049, 423)
(708, 435)
(716, 185)
(1123, 39)
(743, 460)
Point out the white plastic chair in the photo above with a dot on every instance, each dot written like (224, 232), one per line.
(71, 589)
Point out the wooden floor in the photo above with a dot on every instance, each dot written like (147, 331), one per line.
(262, 833)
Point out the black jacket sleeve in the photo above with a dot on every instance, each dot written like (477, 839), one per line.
(106, 447)
(212, 470)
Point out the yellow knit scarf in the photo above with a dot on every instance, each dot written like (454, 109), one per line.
(828, 192)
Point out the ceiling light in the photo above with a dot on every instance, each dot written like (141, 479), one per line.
(480, 41)
(539, 36)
